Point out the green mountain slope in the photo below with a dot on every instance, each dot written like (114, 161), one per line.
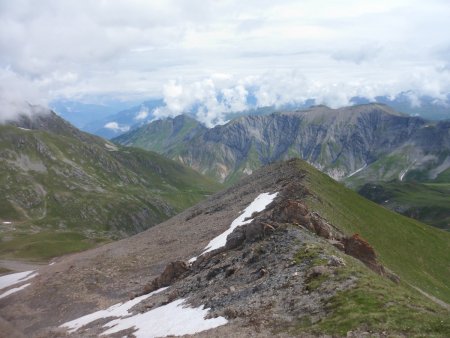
(358, 145)
(427, 202)
(418, 253)
(68, 189)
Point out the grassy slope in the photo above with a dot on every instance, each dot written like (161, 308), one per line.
(374, 304)
(418, 253)
(427, 202)
(91, 194)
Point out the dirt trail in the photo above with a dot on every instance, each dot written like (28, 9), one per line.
(434, 299)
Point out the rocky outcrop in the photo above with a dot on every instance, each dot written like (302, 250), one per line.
(171, 273)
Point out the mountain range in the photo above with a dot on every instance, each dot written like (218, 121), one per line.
(342, 142)
(363, 144)
(113, 118)
(63, 190)
(287, 251)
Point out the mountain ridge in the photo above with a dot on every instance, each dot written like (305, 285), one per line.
(282, 278)
(75, 189)
(339, 141)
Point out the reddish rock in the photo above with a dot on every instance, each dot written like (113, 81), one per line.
(359, 248)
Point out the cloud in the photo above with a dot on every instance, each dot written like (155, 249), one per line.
(142, 114)
(18, 95)
(114, 126)
(210, 56)
(212, 98)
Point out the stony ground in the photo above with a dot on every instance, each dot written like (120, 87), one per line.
(265, 281)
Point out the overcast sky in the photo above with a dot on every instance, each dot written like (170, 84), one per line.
(194, 50)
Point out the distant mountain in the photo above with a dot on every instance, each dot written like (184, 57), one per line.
(424, 106)
(80, 113)
(63, 190)
(365, 144)
(286, 252)
(120, 122)
(340, 142)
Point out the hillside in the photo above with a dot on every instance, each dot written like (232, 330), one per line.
(291, 265)
(359, 145)
(340, 142)
(63, 190)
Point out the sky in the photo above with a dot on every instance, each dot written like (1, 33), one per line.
(214, 54)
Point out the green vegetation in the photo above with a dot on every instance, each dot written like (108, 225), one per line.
(427, 202)
(80, 185)
(418, 253)
(375, 304)
(44, 245)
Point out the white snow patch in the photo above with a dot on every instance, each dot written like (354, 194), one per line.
(357, 171)
(24, 129)
(15, 278)
(402, 174)
(169, 319)
(117, 310)
(52, 263)
(6, 223)
(11, 291)
(111, 147)
(259, 204)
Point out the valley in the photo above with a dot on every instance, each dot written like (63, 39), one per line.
(64, 191)
(359, 145)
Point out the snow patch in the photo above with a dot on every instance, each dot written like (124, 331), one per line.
(402, 174)
(357, 171)
(11, 291)
(169, 319)
(117, 310)
(259, 204)
(6, 223)
(15, 278)
(24, 129)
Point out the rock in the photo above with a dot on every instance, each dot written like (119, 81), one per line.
(235, 239)
(172, 272)
(359, 248)
(290, 211)
(317, 271)
(336, 261)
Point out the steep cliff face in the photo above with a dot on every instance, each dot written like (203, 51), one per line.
(337, 141)
(285, 252)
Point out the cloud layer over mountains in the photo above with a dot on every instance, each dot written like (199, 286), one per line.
(212, 54)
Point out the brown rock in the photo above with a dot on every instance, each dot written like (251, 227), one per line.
(172, 272)
(359, 248)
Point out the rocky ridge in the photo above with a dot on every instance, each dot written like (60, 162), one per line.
(289, 272)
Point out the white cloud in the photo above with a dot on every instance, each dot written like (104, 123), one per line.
(114, 126)
(142, 114)
(17, 94)
(187, 50)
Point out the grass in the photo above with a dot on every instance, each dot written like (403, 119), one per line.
(65, 183)
(427, 202)
(372, 304)
(418, 253)
(44, 245)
